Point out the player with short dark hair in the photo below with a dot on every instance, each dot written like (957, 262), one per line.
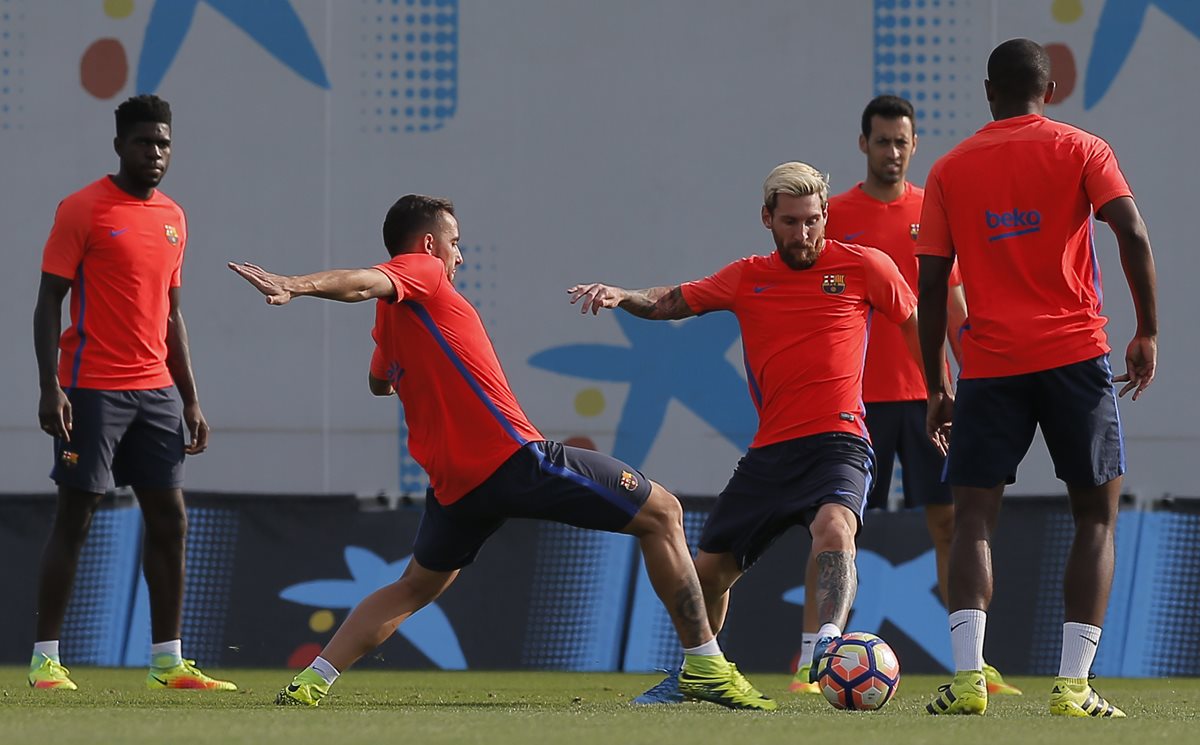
(117, 390)
(1014, 204)
(884, 210)
(803, 313)
(486, 462)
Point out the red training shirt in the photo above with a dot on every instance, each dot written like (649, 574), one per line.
(1014, 202)
(463, 419)
(855, 216)
(804, 333)
(122, 255)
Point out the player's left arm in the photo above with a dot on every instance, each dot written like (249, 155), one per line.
(932, 298)
(179, 362)
(1137, 259)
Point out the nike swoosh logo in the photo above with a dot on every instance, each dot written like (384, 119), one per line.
(762, 288)
(955, 626)
(1095, 642)
(160, 680)
(852, 236)
(115, 233)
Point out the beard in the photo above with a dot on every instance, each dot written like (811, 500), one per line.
(800, 255)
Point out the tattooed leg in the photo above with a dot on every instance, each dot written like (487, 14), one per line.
(837, 582)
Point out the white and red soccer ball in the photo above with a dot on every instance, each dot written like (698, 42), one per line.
(859, 672)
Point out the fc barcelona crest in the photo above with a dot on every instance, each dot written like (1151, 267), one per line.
(629, 482)
(172, 234)
(914, 230)
(834, 284)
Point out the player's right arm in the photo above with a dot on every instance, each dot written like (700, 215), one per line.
(54, 409)
(342, 285)
(1137, 259)
(654, 303)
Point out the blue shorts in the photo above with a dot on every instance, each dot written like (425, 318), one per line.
(1076, 407)
(784, 484)
(898, 428)
(129, 438)
(541, 481)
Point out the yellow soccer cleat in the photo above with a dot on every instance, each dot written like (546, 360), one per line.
(45, 673)
(185, 676)
(306, 689)
(1075, 697)
(718, 681)
(801, 684)
(966, 694)
(995, 683)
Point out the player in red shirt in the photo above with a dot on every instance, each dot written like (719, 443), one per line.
(1014, 203)
(485, 461)
(804, 313)
(884, 210)
(117, 390)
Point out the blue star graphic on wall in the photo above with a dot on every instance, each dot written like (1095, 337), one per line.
(682, 361)
(1120, 23)
(428, 629)
(272, 23)
(903, 594)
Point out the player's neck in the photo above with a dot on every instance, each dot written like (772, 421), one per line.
(1016, 109)
(881, 191)
(125, 184)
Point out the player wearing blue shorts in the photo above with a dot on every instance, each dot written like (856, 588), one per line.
(803, 313)
(1014, 203)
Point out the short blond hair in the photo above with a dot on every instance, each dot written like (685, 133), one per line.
(795, 179)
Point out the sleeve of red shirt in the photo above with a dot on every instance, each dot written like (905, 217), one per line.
(378, 365)
(714, 292)
(955, 276)
(177, 275)
(68, 238)
(887, 291)
(416, 276)
(1102, 177)
(934, 238)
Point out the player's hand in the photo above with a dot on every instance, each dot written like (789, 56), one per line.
(1140, 359)
(596, 296)
(939, 413)
(54, 413)
(197, 429)
(272, 285)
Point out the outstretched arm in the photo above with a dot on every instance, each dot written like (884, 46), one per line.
(654, 303)
(343, 285)
(1133, 241)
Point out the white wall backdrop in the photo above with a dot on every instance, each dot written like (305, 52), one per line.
(622, 141)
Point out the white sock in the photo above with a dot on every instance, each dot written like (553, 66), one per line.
(709, 648)
(50, 649)
(807, 641)
(828, 629)
(966, 637)
(328, 672)
(1080, 642)
(166, 654)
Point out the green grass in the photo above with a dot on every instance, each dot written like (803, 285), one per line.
(423, 708)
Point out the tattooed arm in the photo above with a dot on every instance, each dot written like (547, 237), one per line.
(654, 303)
(837, 584)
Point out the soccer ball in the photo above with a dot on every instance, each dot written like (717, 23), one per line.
(859, 672)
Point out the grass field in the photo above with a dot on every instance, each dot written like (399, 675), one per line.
(576, 708)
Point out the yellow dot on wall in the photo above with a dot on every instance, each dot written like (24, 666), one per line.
(118, 8)
(589, 402)
(1067, 11)
(321, 621)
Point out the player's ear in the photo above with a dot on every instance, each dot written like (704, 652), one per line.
(1049, 97)
(862, 144)
(766, 217)
(427, 243)
(987, 89)
(914, 147)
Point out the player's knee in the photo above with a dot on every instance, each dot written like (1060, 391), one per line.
(833, 529)
(662, 514)
(166, 525)
(940, 521)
